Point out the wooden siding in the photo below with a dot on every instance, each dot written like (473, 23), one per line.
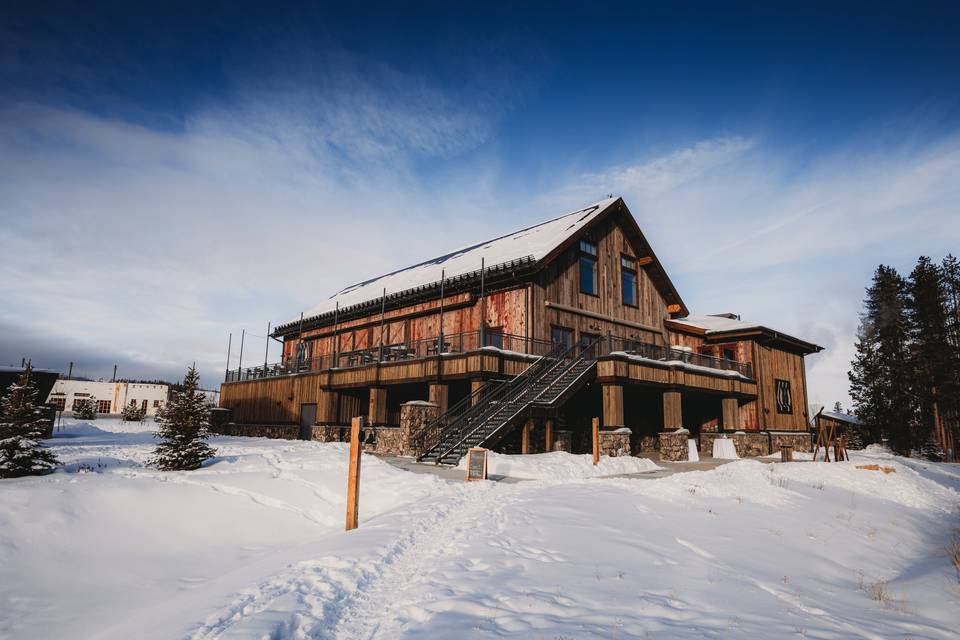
(625, 371)
(777, 364)
(278, 400)
(559, 283)
(505, 310)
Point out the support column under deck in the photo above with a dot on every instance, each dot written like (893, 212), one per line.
(525, 436)
(440, 396)
(612, 406)
(672, 411)
(377, 414)
(476, 385)
(730, 411)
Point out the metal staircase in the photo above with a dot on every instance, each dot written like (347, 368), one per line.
(483, 418)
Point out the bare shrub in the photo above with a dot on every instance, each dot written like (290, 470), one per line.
(879, 592)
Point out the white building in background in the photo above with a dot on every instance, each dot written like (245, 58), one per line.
(108, 397)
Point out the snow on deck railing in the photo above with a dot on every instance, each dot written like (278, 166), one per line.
(413, 350)
(471, 341)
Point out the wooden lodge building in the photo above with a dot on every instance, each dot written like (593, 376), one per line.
(516, 344)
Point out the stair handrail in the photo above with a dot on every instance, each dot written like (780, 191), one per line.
(589, 352)
(520, 390)
(449, 423)
(435, 426)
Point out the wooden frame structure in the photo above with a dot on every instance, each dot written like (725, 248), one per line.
(439, 330)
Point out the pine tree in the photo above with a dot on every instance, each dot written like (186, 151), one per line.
(21, 429)
(879, 377)
(132, 413)
(184, 428)
(929, 355)
(84, 409)
(837, 408)
(950, 395)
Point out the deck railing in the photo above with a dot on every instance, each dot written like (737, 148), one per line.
(614, 345)
(471, 341)
(394, 352)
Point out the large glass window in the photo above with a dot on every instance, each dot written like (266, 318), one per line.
(103, 406)
(588, 268)
(628, 281)
(784, 396)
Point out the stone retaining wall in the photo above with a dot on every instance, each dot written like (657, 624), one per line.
(674, 447)
(563, 441)
(648, 444)
(801, 440)
(615, 443)
(279, 431)
(752, 444)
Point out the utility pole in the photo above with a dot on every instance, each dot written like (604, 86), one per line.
(229, 344)
(243, 334)
(266, 351)
(383, 307)
(483, 305)
(440, 332)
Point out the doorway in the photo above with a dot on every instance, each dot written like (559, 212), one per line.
(308, 418)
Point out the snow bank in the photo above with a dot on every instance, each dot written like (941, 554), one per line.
(252, 546)
(104, 534)
(560, 465)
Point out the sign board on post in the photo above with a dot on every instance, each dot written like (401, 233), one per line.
(353, 474)
(476, 463)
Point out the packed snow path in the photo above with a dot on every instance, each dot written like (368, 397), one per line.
(252, 546)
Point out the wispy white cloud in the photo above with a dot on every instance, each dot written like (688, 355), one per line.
(751, 229)
(151, 244)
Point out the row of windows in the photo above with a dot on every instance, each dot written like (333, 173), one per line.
(589, 280)
(103, 406)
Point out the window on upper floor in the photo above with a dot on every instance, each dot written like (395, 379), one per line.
(784, 396)
(588, 268)
(628, 281)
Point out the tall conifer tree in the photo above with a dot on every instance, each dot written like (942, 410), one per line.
(929, 355)
(879, 378)
(21, 429)
(950, 397)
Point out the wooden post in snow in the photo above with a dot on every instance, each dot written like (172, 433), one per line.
(548, 436)
(353, 474)
(596, 441)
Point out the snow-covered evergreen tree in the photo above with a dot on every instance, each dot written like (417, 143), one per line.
(184, 424)
(84, 409)
(132, 413)
(21, 429)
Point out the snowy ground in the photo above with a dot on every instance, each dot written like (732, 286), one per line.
(252, 546)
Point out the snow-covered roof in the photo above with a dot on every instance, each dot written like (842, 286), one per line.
(716, 324)
(722, 323)
(534, 242)
(842, 417)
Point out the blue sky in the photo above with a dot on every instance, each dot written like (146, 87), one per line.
(175, 173)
